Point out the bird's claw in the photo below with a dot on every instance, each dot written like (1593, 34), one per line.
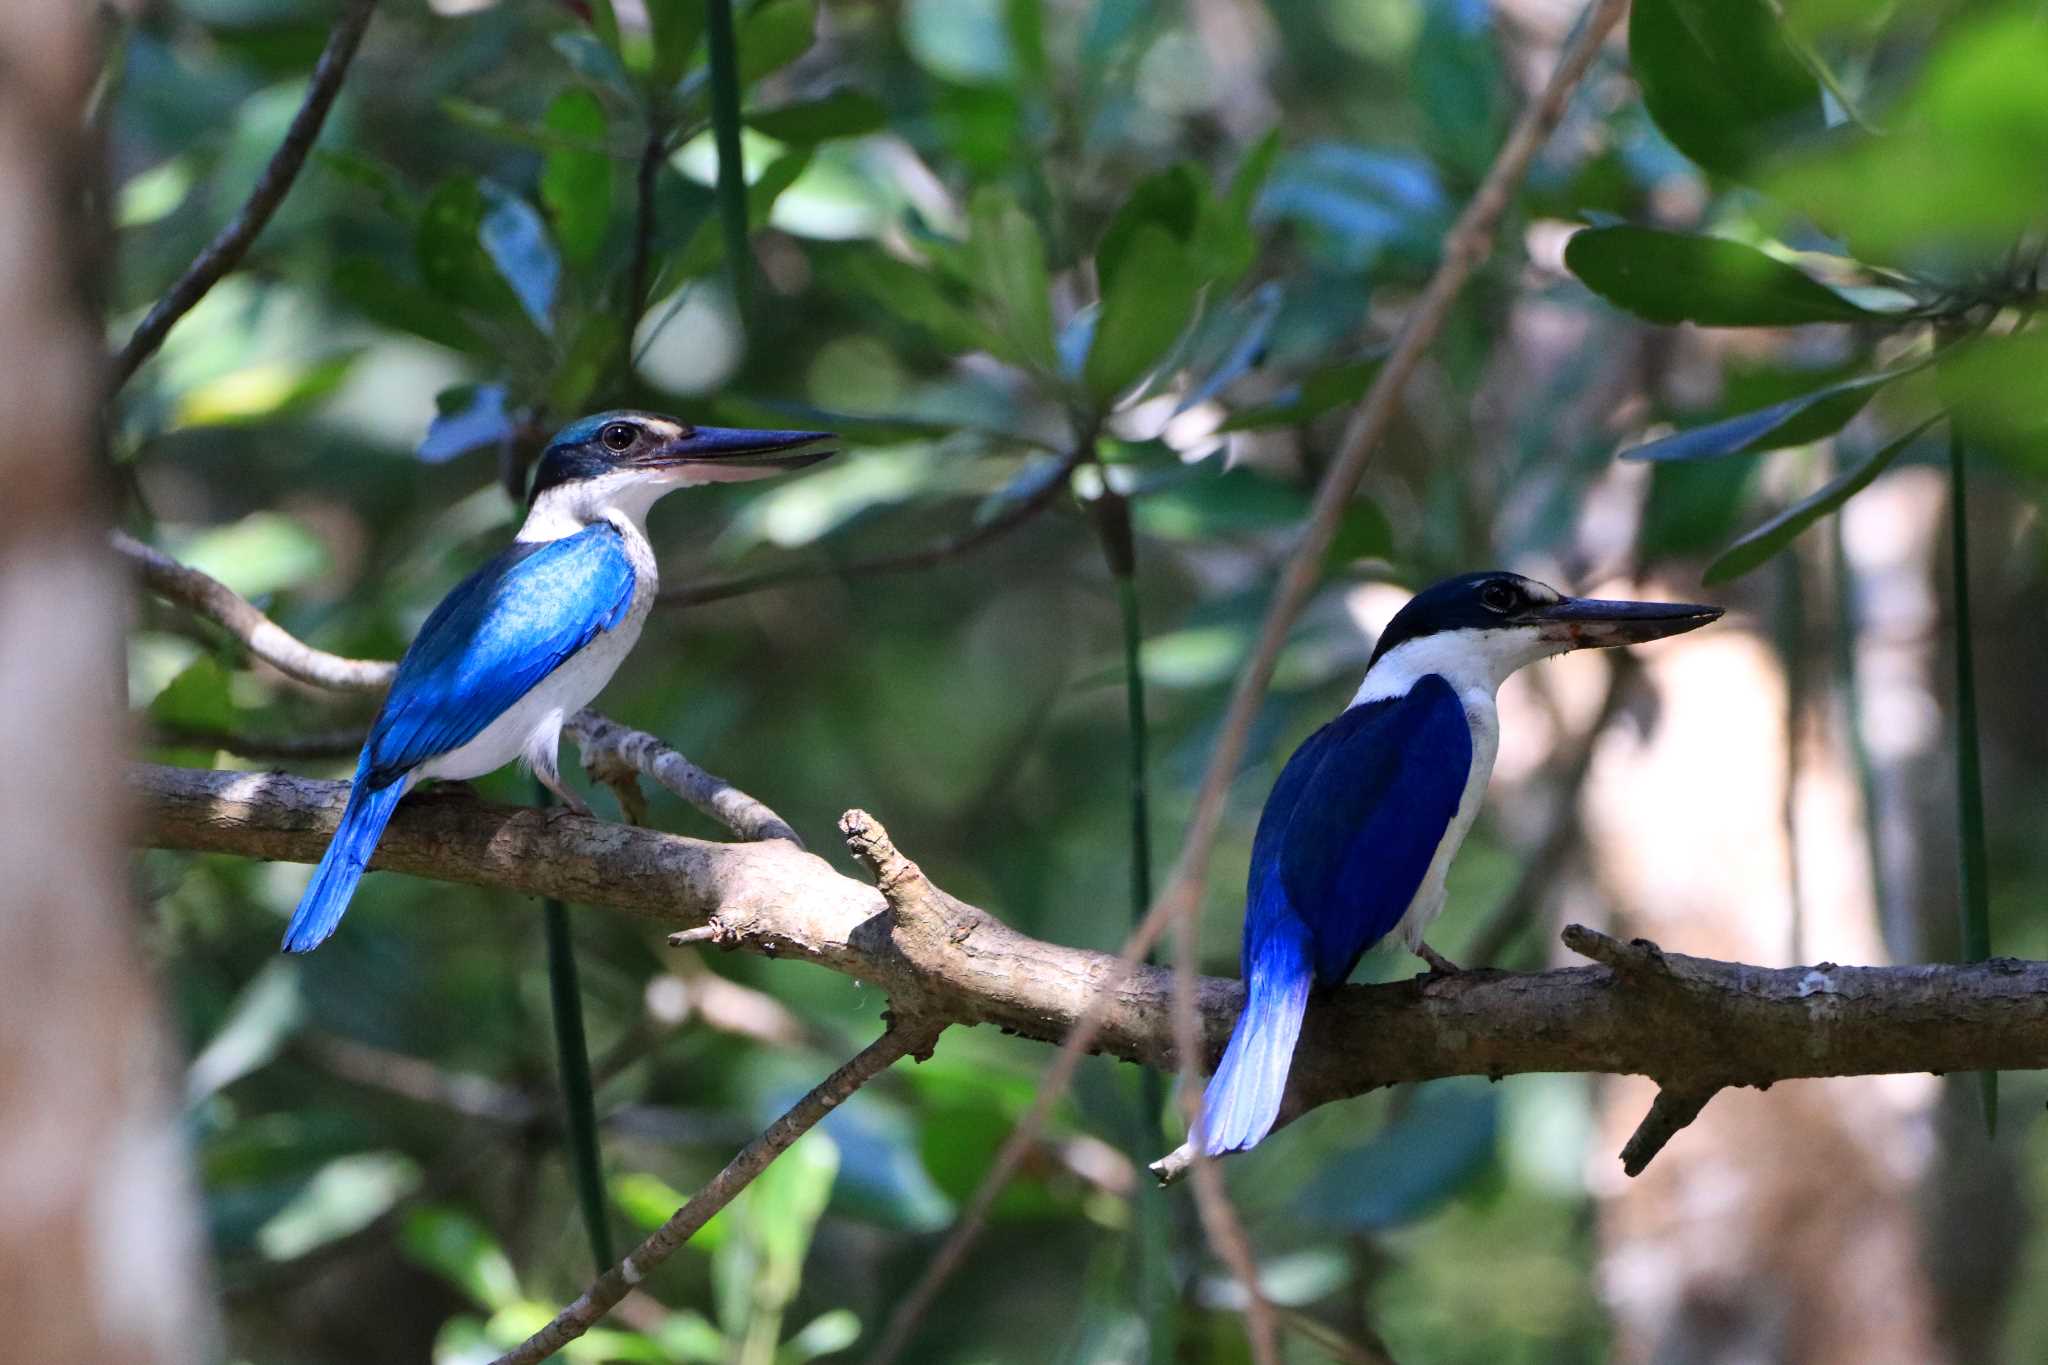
(1439, 965)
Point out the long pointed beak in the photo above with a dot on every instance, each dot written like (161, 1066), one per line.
(1590, 623)
(737, 448)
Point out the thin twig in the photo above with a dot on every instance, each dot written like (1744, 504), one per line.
(1466, 245)
(922, 557)
(606, 745)
(900, 1039)
(264, 638)
(232, 242)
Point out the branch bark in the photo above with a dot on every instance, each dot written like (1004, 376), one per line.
(1691, 1023)
(228, 247)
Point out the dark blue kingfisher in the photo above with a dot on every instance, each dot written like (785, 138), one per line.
(1360, 829)
(532, 637)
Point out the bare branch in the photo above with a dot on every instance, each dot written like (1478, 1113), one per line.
(265, 638)
(227, 248)
(902, 1038)
(923, 557)
(606, 744)
(1669, 1112)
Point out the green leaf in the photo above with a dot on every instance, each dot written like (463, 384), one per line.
(461, 1251)
(1720, 80)
(1781, 530)
(773, 34)
(1143, 313)
(576, 185)
(1994, 385)
(264, 552)
(706, 246)
(1224, 244)
(374, 290)
(449, 247)
(1794, 422)
(595, 62)
(906, 292)
(1960, 173)
(843, 113)
(1171, 200)
(1410, 1166)
(263, 391)
(605, 21)
(1006, 260)
(830, 1332)
(589, 356)
(1670, 277)
(197, 699)
(677, 25)
(1458, 82)
(1330, 387)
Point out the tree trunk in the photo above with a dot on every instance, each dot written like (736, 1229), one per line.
(97, 1236)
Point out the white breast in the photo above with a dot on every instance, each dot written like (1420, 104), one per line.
(531, 727)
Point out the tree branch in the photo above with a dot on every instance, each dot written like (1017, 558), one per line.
(227, 248)
(902, 1038)
(1690, 1023)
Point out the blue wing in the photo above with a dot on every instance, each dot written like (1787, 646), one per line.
(1355, 818)
(496, 634)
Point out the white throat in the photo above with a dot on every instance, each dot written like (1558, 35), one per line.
(1473, 662)
(622, 494)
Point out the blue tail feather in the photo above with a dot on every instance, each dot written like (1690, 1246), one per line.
(341, 867)
(1243, 1098)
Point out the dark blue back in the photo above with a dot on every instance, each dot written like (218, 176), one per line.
(1355, 819)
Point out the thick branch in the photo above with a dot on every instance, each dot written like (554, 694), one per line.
(227, 248)
(1691, 1023)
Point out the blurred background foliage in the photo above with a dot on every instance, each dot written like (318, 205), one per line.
(1090, 288)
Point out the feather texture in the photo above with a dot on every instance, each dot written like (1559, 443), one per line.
(1343, 846)
(497, 634)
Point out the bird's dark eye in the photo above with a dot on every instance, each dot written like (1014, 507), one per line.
(1497, 597)
(618, 435)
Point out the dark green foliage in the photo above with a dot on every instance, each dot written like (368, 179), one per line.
(1672, 277)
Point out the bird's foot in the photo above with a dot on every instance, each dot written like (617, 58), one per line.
(572, 804)
(1439, 965)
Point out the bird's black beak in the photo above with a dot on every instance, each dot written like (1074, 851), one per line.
(721, 453)
(1590, 623)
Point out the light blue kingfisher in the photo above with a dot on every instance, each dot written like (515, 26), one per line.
(1363, 821)
(529, 639)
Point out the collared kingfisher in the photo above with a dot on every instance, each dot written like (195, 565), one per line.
(529, 639)
(1363, 821)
